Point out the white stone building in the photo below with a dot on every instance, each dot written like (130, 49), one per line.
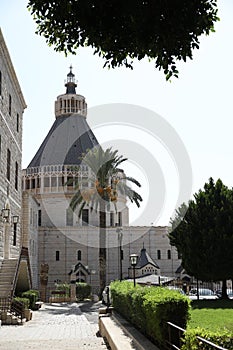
(68, 244)
(14, 267)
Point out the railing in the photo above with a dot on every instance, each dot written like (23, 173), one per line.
(57, 169)
(17, 308)
(175, 334)
(5, 304)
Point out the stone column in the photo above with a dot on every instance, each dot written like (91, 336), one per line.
(73, 292)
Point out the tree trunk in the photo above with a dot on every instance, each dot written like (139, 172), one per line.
(102, 247)
(224, 289)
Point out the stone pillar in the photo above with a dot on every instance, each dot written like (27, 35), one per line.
(72, 292)
(44, 269)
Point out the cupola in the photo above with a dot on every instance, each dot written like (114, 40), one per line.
(70, 102)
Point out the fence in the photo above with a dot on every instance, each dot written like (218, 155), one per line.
(175, 334)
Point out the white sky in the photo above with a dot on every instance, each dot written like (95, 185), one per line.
(198, 105)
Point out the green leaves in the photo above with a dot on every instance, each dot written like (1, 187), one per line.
(203, 233)
(120, 31)
(105, 183)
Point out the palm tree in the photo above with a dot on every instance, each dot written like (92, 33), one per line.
(100, 189)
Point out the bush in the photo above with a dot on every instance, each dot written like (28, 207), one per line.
(64, 287)
(83, 290)
(33, 296)
(24, 301)
(150, 308)
(221, 338)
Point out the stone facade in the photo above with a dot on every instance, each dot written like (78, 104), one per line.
(67, 244)
(12, 106)
(30, 233)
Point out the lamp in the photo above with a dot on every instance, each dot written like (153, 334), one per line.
(134, 261)
(15, 219)
(5, 213)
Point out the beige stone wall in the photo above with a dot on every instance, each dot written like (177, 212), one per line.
(11, 138)
(69, 240)
(30, 209)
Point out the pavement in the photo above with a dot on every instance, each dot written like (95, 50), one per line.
(57, 326)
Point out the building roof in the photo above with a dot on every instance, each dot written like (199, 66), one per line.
(145, 259)
(67, 140)
(70, 135)
(152, 279)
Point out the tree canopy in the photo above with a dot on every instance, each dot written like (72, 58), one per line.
(203, 233)
(119, 30)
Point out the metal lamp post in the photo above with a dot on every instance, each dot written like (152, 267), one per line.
(120, 234)
(134, 260)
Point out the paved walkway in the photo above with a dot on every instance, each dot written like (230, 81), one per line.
(61, 326)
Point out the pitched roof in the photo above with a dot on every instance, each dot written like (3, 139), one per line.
(145, 259)
(68, 138)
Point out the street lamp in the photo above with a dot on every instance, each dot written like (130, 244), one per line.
(120, 234)
(133, 260)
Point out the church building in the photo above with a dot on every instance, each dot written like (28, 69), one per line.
(55, 235)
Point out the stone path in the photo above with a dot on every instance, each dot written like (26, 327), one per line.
(61, 326)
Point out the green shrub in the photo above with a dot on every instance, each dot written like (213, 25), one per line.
(150, 308)
(221, 338)
(64, 287)
(33, 296)
(24, 301)
(83, 290)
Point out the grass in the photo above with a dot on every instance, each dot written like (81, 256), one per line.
(213, 315)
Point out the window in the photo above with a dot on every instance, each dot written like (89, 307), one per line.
(9, 106)
(69, 217)
(8, 165)
(16, 175)
(61, 181)
(57, 255)
(14, 234)
(53, 181)
(79, 255)
(169, 254)
(158, 254)
(111, 219)
(33, 183)
(17, 122)
(46, 182)
(39, 217)
(119, 219)
(85, 217)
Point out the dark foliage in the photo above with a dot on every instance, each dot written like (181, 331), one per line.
(119, 31)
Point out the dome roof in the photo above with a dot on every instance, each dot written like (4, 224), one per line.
(67, 140)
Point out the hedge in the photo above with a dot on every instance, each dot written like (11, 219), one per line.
(24, 301)
(150, 308)
(221, 338)
(83, 290)
(33, 296)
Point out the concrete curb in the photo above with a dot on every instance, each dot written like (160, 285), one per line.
(120, 334)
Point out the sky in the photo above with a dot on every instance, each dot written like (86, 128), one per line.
(195, 110)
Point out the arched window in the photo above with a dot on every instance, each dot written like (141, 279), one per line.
(79, 255)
